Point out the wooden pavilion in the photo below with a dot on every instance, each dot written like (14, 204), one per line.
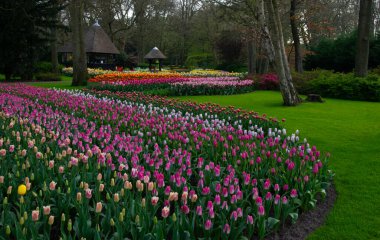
(155, 55)
(100, 51)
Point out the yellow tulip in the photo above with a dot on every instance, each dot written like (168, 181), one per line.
(21, 190)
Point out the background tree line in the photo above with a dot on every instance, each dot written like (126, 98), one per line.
(237, 35)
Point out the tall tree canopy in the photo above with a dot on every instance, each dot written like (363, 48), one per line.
(24, 30)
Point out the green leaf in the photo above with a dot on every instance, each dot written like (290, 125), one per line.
(323, 193)
(271, 222)
(243, 238)
(312, 203)
(297, 201)
(294, 217)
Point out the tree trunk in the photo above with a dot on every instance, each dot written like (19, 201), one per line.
(251, 57)
(54, 53)
(296, 37)
(79, 52)
(288, 91)
(362, 44)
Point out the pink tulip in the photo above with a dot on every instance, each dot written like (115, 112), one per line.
(208, 224)
(227, 228)
(3, 152)
(35, 215)
(277, 199)
(46, 210)
(88, 193)
(165, 212)
(199, 210)
(261, 210)
(52, 185)
(185, 209)
(250, 219)
(293, 193)
(154, 200)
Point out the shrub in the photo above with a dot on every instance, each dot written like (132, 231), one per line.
(268, 82)
(329, 84)
(43, 67)
(347, 86)
(233, 67)
(47, 77)
(302, 80)
(204, 60)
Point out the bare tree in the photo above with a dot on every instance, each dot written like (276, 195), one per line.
(288, 91)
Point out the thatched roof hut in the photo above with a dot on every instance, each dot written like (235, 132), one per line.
(155, 54)
(99, 48)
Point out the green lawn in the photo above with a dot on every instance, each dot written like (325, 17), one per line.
(64, 84)
(350, 130)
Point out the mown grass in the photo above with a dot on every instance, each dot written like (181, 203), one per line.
(350, 130)
(64, 84)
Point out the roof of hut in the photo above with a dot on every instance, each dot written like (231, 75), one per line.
(155, 53)
(95, 40)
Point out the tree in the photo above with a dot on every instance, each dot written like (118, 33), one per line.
(79, 52)
(24, 33)
(288, 91)
(362, 45)
(296, 36)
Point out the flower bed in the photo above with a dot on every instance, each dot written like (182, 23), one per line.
(174, 86)
(128, 76)
(211, 73)
(211, 86)
(76, 165)
(244, 118)
(137, 85)
(92, 72)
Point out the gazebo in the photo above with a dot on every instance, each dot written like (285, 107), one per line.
(100, 50)
(153, 55)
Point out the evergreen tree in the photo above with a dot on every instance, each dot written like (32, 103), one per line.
(24, 30)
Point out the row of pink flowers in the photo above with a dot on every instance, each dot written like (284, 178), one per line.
(214, 82)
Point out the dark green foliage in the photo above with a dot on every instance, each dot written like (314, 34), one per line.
(229, 45)
(24, 34)
(233, 67)
(339, 85)
(339, 54)
(203, 60)
(47, 77)
(43, 67)
(301, 80)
